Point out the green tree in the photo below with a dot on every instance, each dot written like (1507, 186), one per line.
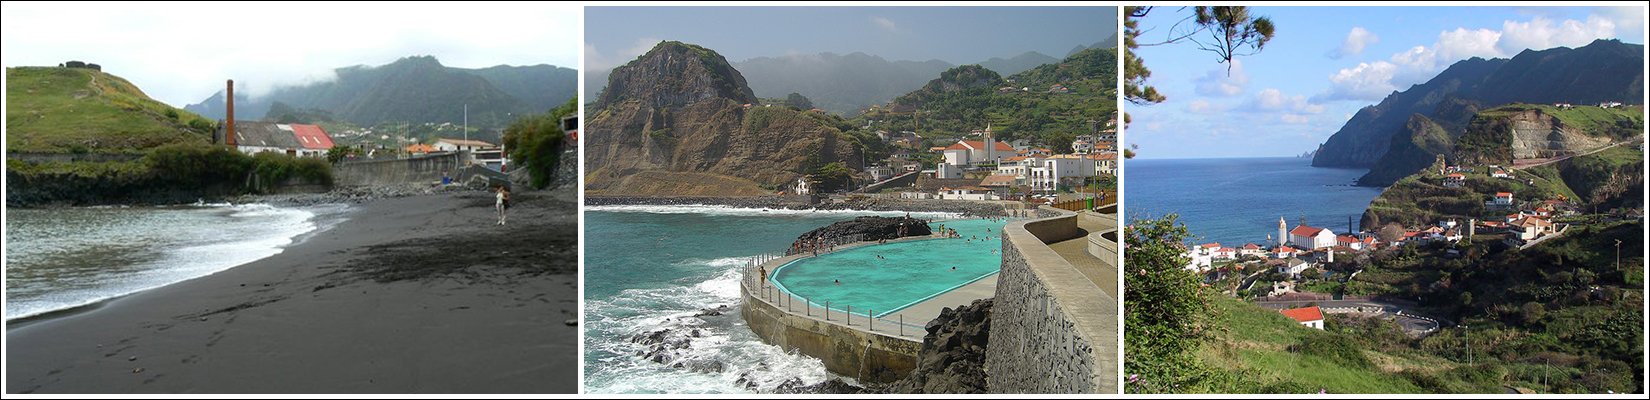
(1227, 31)
(833, 176)
(799, 101)
(536, 141)
(1165, 309)
(1060, 143)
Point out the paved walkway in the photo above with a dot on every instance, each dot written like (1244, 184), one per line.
(1076, 251)
(920, 314)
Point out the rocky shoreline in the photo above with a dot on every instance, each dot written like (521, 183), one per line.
(963, 207)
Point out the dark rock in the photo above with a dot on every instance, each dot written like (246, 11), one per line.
(952, 359)
(833, 386)
(868, 228)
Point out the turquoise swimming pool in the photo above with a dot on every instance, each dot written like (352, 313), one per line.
(906, 273)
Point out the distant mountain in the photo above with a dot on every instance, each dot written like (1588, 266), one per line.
(1022, 105)
(840, 84)
(1605, 70)
(416, 89)
(1019, 63)
(1107, 43)
(62, 110)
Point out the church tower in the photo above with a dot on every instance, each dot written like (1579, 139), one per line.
(990, 145)
(1283, 232)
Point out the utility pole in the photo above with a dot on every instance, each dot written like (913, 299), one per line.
(1466, 334)
(1618, 254)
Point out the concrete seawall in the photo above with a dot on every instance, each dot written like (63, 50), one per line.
(423, 169)
(1053, 330)
(866, 349)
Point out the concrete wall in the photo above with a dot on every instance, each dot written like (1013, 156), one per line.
(388, 172)
(896, 182)
(1052, 329)
(845, 350)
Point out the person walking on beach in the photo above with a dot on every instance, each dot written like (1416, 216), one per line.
(502, 202)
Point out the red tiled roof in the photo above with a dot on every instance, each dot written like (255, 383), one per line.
(1287, 249)
(1346, 239)
(978, 145)
(1212, 246)
(1251, 246)
(1306, 231)
(1457, 176)
(1503, 194)
(1306, 314)
(312, 136)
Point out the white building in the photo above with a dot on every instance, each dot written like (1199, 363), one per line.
(947, 171)
(1047, 176)
(987, 151)
(1311, 317)
(1307, 237)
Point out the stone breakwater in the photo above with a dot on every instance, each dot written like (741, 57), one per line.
(350, 194)
(867, 229)
(964, 207)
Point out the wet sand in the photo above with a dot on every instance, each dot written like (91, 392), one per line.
(409, 295)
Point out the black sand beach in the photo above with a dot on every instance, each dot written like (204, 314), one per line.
(416, 294)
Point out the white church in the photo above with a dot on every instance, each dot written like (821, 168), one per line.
(1305, 237)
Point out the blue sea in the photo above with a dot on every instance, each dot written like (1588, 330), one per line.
(648, 268)
(1235, 201)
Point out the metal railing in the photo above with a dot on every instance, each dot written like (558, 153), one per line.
(831, 312)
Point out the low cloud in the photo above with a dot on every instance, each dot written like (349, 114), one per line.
(1221, 83)
(885, 24)
(1354, 43)
(1374, 80)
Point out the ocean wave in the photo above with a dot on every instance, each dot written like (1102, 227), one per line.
(720, 356)
(155, 247)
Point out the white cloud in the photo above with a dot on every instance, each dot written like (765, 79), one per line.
(1367, 81)
(885, 24)
(1374, 80)
(595, 60)
(1201, 106)
(1627, 18)
(1271, 99)
(1354, 43)
(1292, 118)
(1220, 82)
(1542, 33)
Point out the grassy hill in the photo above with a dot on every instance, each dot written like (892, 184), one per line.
(64, 110)
(967, 98)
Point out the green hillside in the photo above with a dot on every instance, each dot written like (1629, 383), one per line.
(969, 97)
(61, 110)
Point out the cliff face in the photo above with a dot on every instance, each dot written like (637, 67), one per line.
(1601, 71)
(672, 122)
(1514, 132)
(1415, 147)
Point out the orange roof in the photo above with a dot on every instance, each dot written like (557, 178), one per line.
(1457, 176)
(1304, 230)
(1212, 245)
(1017, 158)
(1306, 314)
(419, 148)
(978, 145)
(1251, 246)
(1503, 194)
(1287, 249)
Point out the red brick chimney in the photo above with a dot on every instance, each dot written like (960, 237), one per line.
(229, 130)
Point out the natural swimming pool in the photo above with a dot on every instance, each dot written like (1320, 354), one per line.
(907, 273)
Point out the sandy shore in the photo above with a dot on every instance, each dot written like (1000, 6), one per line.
(409, 295)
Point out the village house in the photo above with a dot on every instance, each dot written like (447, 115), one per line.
(1226, 253)
(298, 140)
(1351, 242)
(1529, 228)
(1251, 250)
(1055, 168)
(1002, 185)
(947, 171)
(1285, 252)
(1104, 163)
(878, 172)
(1502, 201)
(966, 193)
(1058, 89)
(1293, 267)
(1455, 180)
(1500, 174)
(1310, 317)
(486, 154)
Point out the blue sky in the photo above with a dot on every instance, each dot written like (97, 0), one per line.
(958, 35)
(1325, 63)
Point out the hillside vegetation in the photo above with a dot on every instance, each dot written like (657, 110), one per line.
(78, 110)
(967, 98)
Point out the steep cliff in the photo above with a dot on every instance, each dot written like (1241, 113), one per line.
(673, 122)
(1413, 148)
(1605, 70)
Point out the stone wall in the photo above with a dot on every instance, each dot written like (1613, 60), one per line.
(399, 171)
(896, 182)
(1052, 329)
(845, 350)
